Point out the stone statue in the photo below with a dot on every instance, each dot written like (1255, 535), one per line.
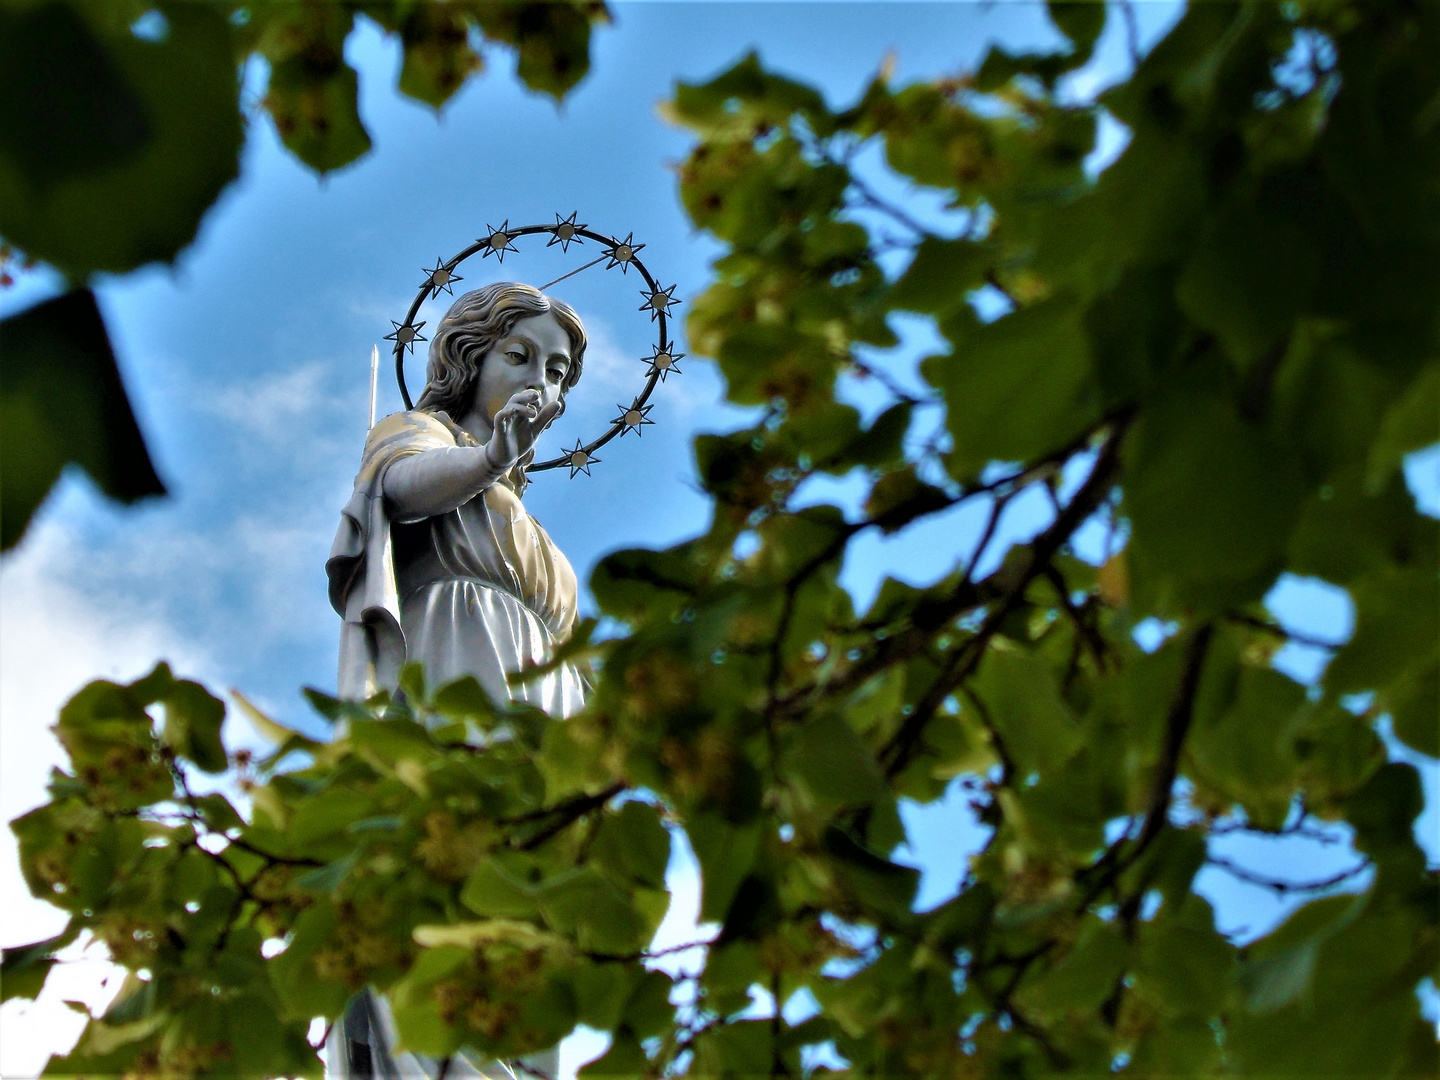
(437, 561)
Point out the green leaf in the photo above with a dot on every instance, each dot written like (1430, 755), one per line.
(552, 41)
(500, 886)
(297, 980)
(1212, 502)
(585, 904)
(126, 142)
(726, 853)
(633, 844)
(1412, 423)
(25, 967)
(940, 275)
(1414, 705)
(1252, 272)
(422, 1027)
(1038, 729)
(62, 402)
(833, 764)
(1085, 976)
(1245, 753)
(1079, 20)
(1395, 628)
(625, 1057)
(1016, 387)
(1185, 967)
(601, 992)
(312, 97)
(438, 54)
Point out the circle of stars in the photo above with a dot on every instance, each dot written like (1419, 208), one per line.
(566, 232)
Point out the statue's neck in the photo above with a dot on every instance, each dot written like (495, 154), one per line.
(477, 424)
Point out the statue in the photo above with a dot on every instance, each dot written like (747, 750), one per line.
(436, 559)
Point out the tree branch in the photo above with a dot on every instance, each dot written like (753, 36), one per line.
(568, 813)
(1177, 726)
(1011, 587)
(1283, 887)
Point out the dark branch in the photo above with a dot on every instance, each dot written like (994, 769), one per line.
(1283, 887)
(1177, 726)
(565, 814)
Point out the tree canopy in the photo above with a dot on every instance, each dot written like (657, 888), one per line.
(1214, 355)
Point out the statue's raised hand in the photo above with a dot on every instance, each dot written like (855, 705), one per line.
(517, 424)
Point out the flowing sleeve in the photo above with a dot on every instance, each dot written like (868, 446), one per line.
(361, 567)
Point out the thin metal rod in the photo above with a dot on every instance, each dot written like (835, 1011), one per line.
(374, 381)
(572, 273)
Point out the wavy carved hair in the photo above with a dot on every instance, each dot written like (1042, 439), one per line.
(470, 329)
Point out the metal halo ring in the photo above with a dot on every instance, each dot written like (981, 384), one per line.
(565, 231)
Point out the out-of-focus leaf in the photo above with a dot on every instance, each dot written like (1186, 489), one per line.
(1210, 528)
(438, 54)
(552, 40)
(124, 143)
(313, 99)
(1410, 425)
(25, 967)
(62, 401)
(1016, 387)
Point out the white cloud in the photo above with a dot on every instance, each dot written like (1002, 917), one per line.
(54, 638)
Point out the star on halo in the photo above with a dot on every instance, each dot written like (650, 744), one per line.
(658, 302)
(634, 416)
(622, 252)
(498, 242)
(664, 362)
(566, 232)
(579, 460)
(405, 335)
(442, 277)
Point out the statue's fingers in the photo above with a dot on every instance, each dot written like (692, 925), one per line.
(547, 414)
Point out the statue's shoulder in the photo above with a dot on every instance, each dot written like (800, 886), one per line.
(408, 433)
(417, 426)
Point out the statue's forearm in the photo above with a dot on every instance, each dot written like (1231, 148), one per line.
(437, 481)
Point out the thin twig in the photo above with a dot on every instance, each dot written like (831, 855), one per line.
(1132, 31)
(1283, 887)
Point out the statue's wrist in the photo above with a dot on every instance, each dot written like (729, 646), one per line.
(496, 467)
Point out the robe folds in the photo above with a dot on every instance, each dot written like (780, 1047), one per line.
(479, 590)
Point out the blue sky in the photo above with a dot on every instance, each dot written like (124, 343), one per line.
(248, 363)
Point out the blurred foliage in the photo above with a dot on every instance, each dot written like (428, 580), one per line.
(132, 123)
(1211, 360)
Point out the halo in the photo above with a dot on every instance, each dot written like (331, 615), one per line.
(621, 253)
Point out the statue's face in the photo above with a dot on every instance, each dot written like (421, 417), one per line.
(535, 355)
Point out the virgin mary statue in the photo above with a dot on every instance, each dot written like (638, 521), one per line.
(437, 561)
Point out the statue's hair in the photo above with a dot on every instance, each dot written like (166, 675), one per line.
(470, 329)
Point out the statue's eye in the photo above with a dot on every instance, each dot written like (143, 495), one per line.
(517, 356)
(556, 374)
